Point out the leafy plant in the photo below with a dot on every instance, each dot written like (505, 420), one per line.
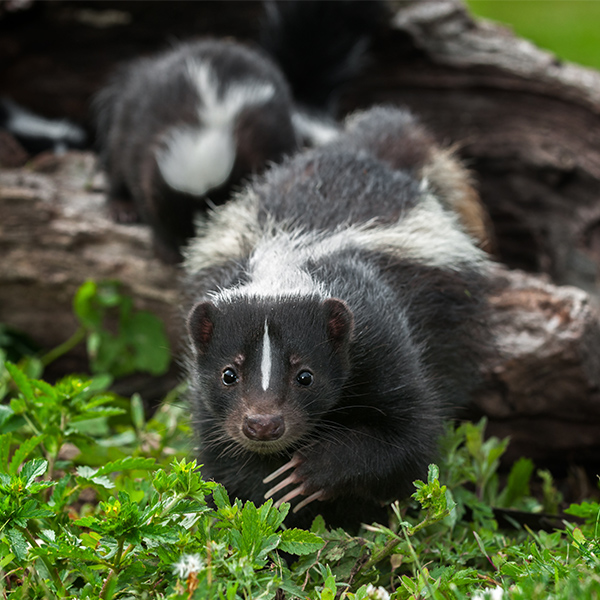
(98, 502)
(138, 342)
(141, 525)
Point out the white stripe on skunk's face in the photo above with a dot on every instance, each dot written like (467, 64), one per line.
(266, 363)
(221, 109)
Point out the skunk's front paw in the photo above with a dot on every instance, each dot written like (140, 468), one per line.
(301, 486)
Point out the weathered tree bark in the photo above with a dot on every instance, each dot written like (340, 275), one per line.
(54, 235)
(528, 125)
(542, 384)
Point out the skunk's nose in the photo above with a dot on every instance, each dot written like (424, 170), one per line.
(263, 428)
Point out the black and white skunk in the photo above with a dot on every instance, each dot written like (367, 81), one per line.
(37, 133)
(337, 313)
(189, 122)
(179, 129)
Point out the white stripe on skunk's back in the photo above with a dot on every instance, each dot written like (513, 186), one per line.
(278, 254)
(196, 159)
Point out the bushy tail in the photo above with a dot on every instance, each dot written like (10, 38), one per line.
(321, 45)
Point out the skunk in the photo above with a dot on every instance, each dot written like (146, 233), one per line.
(186, 123)
(36, 133)
(177, 130)
(336, 314)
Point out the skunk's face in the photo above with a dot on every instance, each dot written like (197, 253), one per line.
(267, 371)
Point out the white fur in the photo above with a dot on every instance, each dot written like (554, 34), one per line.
(278, 256)
(229, 233)
(22, 122)
(313, 130)
(266, 363)
(196, 159)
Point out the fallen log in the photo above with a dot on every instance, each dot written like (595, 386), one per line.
(526, 122)
(542, 382)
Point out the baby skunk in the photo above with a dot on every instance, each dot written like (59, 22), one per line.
(337, 313)
(36, 133)
(189, 122)
(179, 129)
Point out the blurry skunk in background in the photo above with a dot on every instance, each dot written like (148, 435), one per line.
(36, 133)
(179, 129)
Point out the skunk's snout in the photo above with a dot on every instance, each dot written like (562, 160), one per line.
(263, 428)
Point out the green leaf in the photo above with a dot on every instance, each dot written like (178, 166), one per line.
(83, 306)
(590, 511)
(298, 541)
(31, 510)
(49, 390)
(271, 515)
(5, 441)
(110, 355)
(318, 525)
(24, 450)
(86, 472)
(5, 414)
(146, 334)
(5, 557)
(109, 587)
(18, 544)
(91, 475)
(267, 544)
(137, 412)
(329, 589)
(433, 474)
(127, 464)
(32, 469)
(21, 380)
(220, 497)
(517, 485)
(91, 539)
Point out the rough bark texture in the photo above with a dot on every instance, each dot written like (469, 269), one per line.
(542, 384)
(528, 125)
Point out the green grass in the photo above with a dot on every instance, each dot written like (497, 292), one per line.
(96, 501)
(569, 28)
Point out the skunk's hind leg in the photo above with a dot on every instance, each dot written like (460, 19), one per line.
(121, 205)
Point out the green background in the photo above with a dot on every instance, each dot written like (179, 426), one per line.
(569, 28)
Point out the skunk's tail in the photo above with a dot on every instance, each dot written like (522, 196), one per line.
(321, 45)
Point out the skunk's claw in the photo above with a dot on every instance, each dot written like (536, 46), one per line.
(293, 478)
(315, 496)
(292, 464)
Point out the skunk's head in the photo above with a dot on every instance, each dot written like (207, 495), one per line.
(267, 371)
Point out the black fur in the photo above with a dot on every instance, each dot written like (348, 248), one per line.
(391, 337)
(320, 45)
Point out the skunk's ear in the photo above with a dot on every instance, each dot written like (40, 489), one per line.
(200, 325)
(340, 321)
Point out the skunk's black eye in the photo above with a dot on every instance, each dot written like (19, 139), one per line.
(229, 376)
(305, 378)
